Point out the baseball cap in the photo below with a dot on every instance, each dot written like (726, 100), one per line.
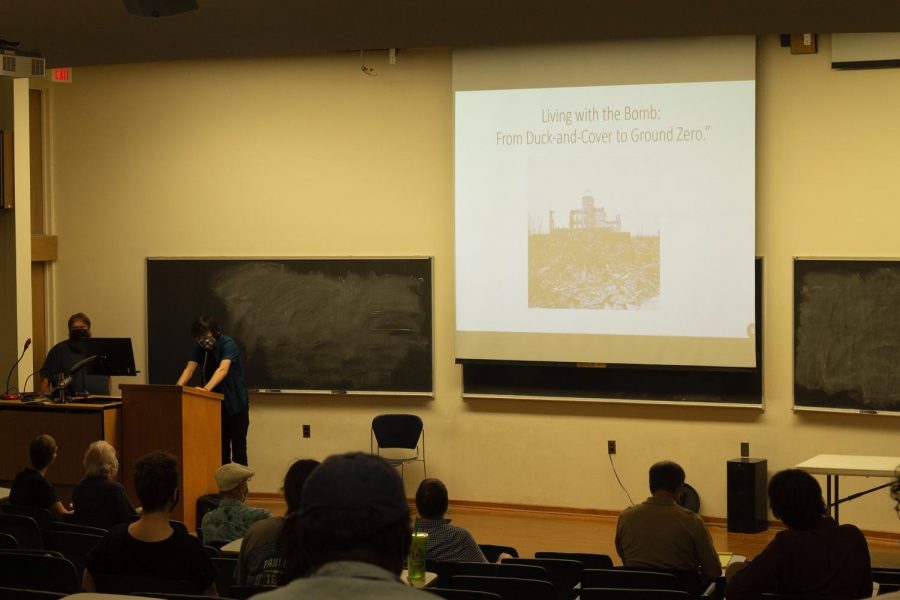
(352, 481)
(232, 475)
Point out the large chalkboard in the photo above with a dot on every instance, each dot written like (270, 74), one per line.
(623, 383)
(847, 334)
(336, 325)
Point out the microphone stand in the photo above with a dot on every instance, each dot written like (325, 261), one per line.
(6, 394)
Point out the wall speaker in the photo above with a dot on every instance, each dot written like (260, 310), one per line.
(747, 495)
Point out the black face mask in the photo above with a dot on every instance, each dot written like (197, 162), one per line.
(78, 334)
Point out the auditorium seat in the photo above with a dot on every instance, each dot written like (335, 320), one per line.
(508, 588)
(8, 593)
(492, 552)
(38, 572)
(225, 568)
(629, 579)
(451, 594)
(24, 529)
(139, 584)
(588, 560)
(73, 546)
(632, 594)
(444, 569)
(76, 528)
(503, 570)
(564, 574)
(8, 542)
(41, 516)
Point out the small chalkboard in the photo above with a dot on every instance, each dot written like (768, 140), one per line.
(330, 325)
(847, 335)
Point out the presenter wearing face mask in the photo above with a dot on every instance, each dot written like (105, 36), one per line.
(222, 371)
(65, 355)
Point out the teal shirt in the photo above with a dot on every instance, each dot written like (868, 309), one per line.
(233, 387)
(230, 521)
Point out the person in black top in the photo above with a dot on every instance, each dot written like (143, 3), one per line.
(98, 500)
(149, 547)
(64, 355)
(814, 556)
(31, 487)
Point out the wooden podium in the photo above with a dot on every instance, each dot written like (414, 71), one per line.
(183, 421)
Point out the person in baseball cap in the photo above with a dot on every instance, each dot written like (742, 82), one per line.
(232, 518)
(354, 528)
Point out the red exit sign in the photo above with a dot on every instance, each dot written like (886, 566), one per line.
(61, 74)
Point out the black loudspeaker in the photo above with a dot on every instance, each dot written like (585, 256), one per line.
(747, 495)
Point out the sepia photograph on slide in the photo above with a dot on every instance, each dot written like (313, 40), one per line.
(593, 250)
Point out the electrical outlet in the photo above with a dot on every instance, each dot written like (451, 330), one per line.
(306, 431)
(611, 447)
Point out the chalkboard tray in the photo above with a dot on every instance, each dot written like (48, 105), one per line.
(336, 325)
(847, 335)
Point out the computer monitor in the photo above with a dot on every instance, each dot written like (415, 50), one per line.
(114, 356)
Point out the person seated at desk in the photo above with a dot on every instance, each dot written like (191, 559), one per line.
(100, 501)
(232, 518)
(262, 561)
(31, 488)
(814, 556)
(149, 547)
(659, 534)
(66, 354)
(445, 541)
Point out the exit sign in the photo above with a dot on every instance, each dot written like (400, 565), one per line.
(61, 74)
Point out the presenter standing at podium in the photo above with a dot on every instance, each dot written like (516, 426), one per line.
(222, 371)
(65, 355)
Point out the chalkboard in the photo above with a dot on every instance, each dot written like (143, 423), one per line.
(847, 334)
(318, 324)
(628, 383)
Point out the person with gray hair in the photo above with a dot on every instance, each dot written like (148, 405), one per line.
(99, 500)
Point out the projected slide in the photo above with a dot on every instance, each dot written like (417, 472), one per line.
(623, 215)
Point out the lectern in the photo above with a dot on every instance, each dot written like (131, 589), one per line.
(182, 421)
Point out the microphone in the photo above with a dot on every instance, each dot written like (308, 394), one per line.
(6, 395)
(71, 375)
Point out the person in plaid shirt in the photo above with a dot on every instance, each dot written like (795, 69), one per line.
(446, 542)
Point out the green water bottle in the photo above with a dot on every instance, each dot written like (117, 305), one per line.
(415, 562)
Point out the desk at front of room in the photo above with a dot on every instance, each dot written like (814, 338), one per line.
(74, 426)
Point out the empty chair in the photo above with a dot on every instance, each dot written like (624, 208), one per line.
(8, 542)
(225, 568)
(451, 594)
(7, 593)
(629, 579)
(38, 572)
(508, 588)
(588, 560)
(212, 552)
(444, 570)
(889, 576)
(492, 552)
(76, 528)
(41, 516)
(632, 594)
(503, 570)
(73, 546)
(399, 432)
(564, 574)
(24, 529)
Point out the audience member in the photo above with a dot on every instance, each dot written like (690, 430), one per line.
(814, 556)
(261, 562)
(660, 534)
(232, 518)
(353, 527)
(149, 547)
(98, 500)
(445, 541)
(30, 487)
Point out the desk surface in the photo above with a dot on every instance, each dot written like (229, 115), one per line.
(848, 464)
(96, 403)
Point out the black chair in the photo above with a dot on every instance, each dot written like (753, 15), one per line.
(396, 432)
(24, 529)
(444, 569)
(7, 593)
(38, 572)
(492, 552)
(33, 552)
(41, 516)
(206, 503)
(588, 560)
(632, 594)
(629, 579)
(508, 588)
(178, 526)
(8, 542)
(889, 576)
(451, 594)
(888, 588)
(76, 528)
(225, 568)
(142, 585)
(73, 546)
(564, 574)
(503, 570)
(170, 596)
(212, 552)
(243, 592)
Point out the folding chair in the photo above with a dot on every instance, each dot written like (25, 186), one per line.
(399, 432)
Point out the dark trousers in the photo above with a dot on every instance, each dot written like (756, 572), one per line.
(234, 436)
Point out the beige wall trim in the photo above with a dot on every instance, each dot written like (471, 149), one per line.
(44, 248)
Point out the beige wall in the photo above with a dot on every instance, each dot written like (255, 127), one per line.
(308, 157)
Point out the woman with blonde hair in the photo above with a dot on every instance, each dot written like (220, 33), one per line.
(99, 500)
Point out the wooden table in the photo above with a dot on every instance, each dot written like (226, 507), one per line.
(74, 426)
(833, 466)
